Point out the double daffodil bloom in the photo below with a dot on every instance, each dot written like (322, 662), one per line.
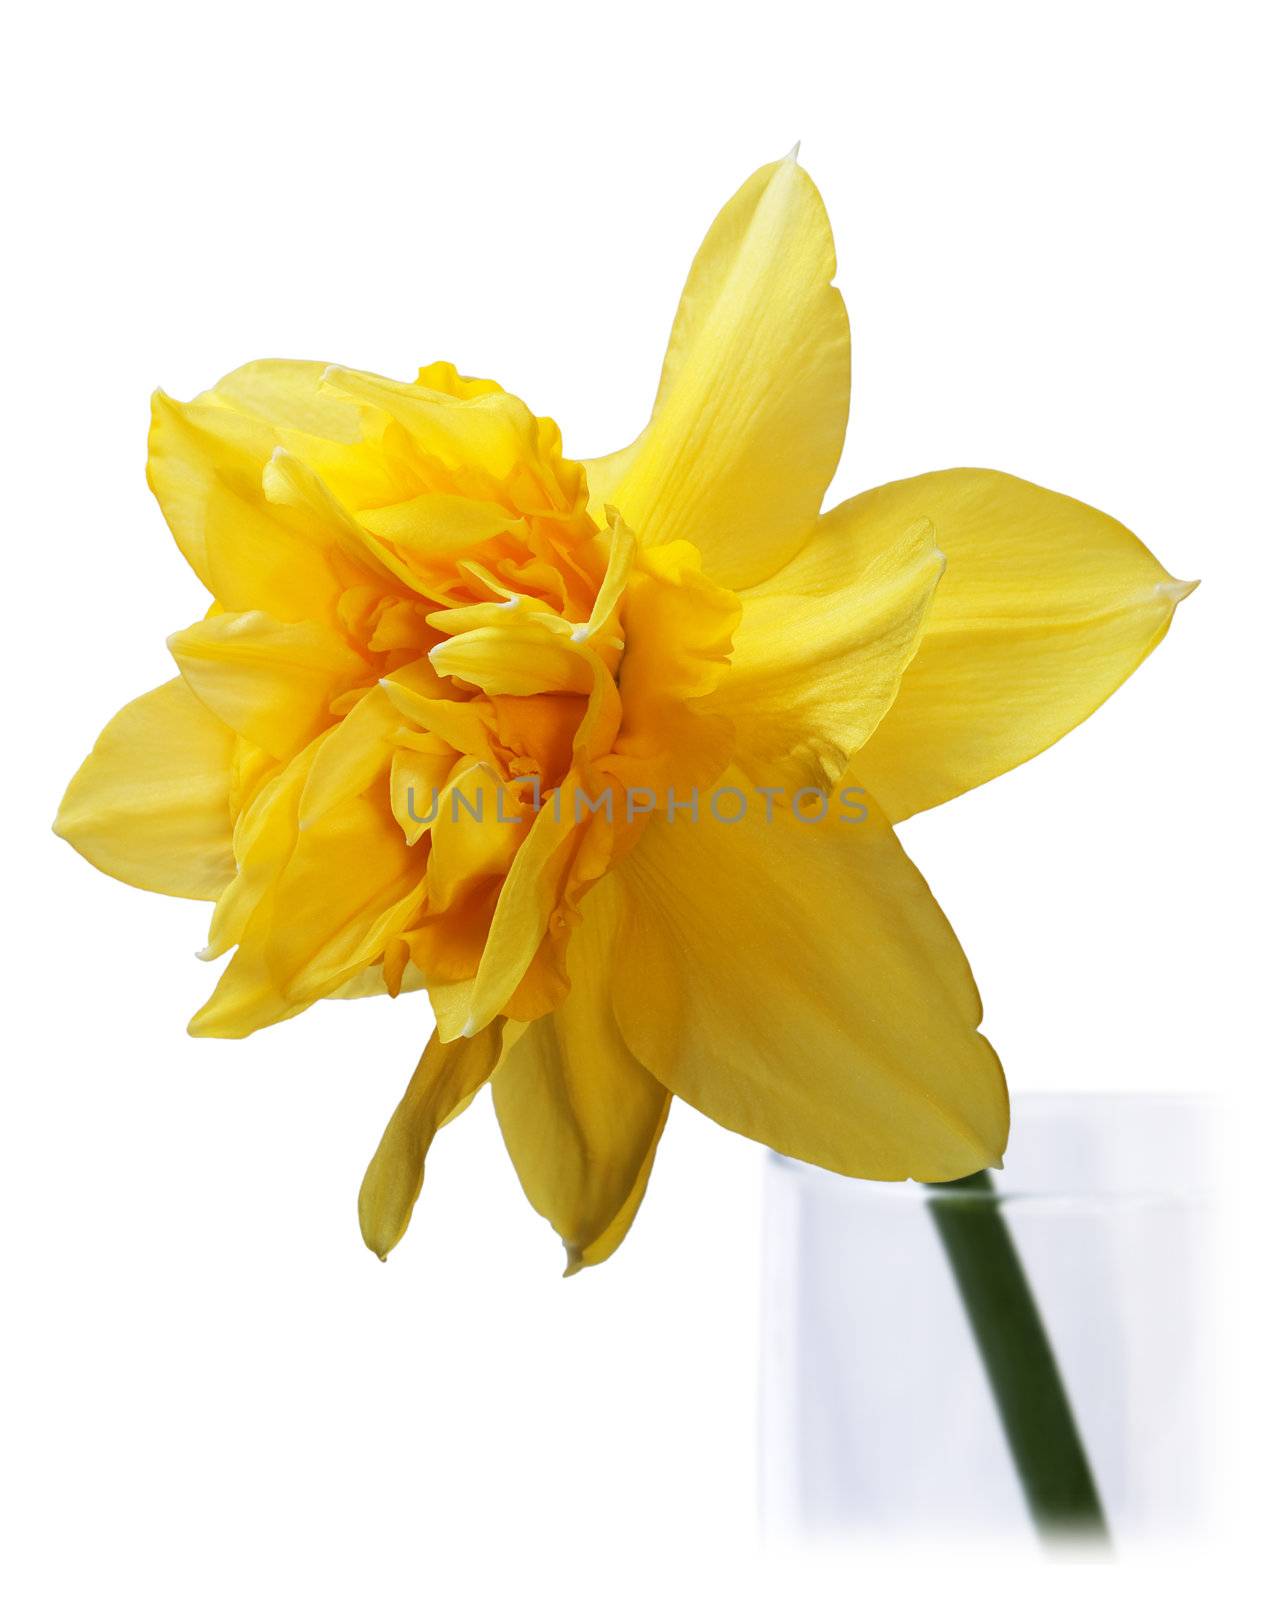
(606, 755)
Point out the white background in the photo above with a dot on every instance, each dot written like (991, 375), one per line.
(1048, 228)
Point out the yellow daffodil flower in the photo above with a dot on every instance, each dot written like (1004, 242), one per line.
(606, 755)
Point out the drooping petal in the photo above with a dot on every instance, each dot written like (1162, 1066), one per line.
(797, 982)
(150, 805)
(813, 674)
(613, 1236)
(270, 681)
(754, 396)
(1045, 608)
(580, 1116)
(446, 1079)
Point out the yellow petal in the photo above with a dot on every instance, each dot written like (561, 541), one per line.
(348, 888)
(264, 838)
(419, 779)
(517, 453)
(150, 805)
(526, 904)
(444, 377)
(445, 1079)
(339, 438)
(373, 982)
(1046, 607)
(754, 396)
(263, 557)
(478, 825)
(357, 753)
(188, 464)
(797, 982)
(253, 501)
(515, 661)
(271, 681)
(813, 674)
(208, 467)
(466, 725)
(580, 1116)
(438, 526)
(679, 626)
(612, 1237)
(289, 395)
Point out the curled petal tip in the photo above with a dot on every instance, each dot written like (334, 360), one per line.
(1178, 589)
(793, 153)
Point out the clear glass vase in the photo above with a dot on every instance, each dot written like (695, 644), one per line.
(877, 1414)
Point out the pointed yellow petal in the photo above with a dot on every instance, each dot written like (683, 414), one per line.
(754, 396)
(797, 982)
(1045, 608)
(270, 681)
(580, 1116)
(813, 674)
(448, 1076)
(613, 1236)
(150, 805)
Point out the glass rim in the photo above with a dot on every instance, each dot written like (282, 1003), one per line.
(1191, 1185)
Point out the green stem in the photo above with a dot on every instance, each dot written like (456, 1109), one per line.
(1042, 1433)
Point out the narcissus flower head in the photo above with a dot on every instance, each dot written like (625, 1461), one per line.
(606, 755)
